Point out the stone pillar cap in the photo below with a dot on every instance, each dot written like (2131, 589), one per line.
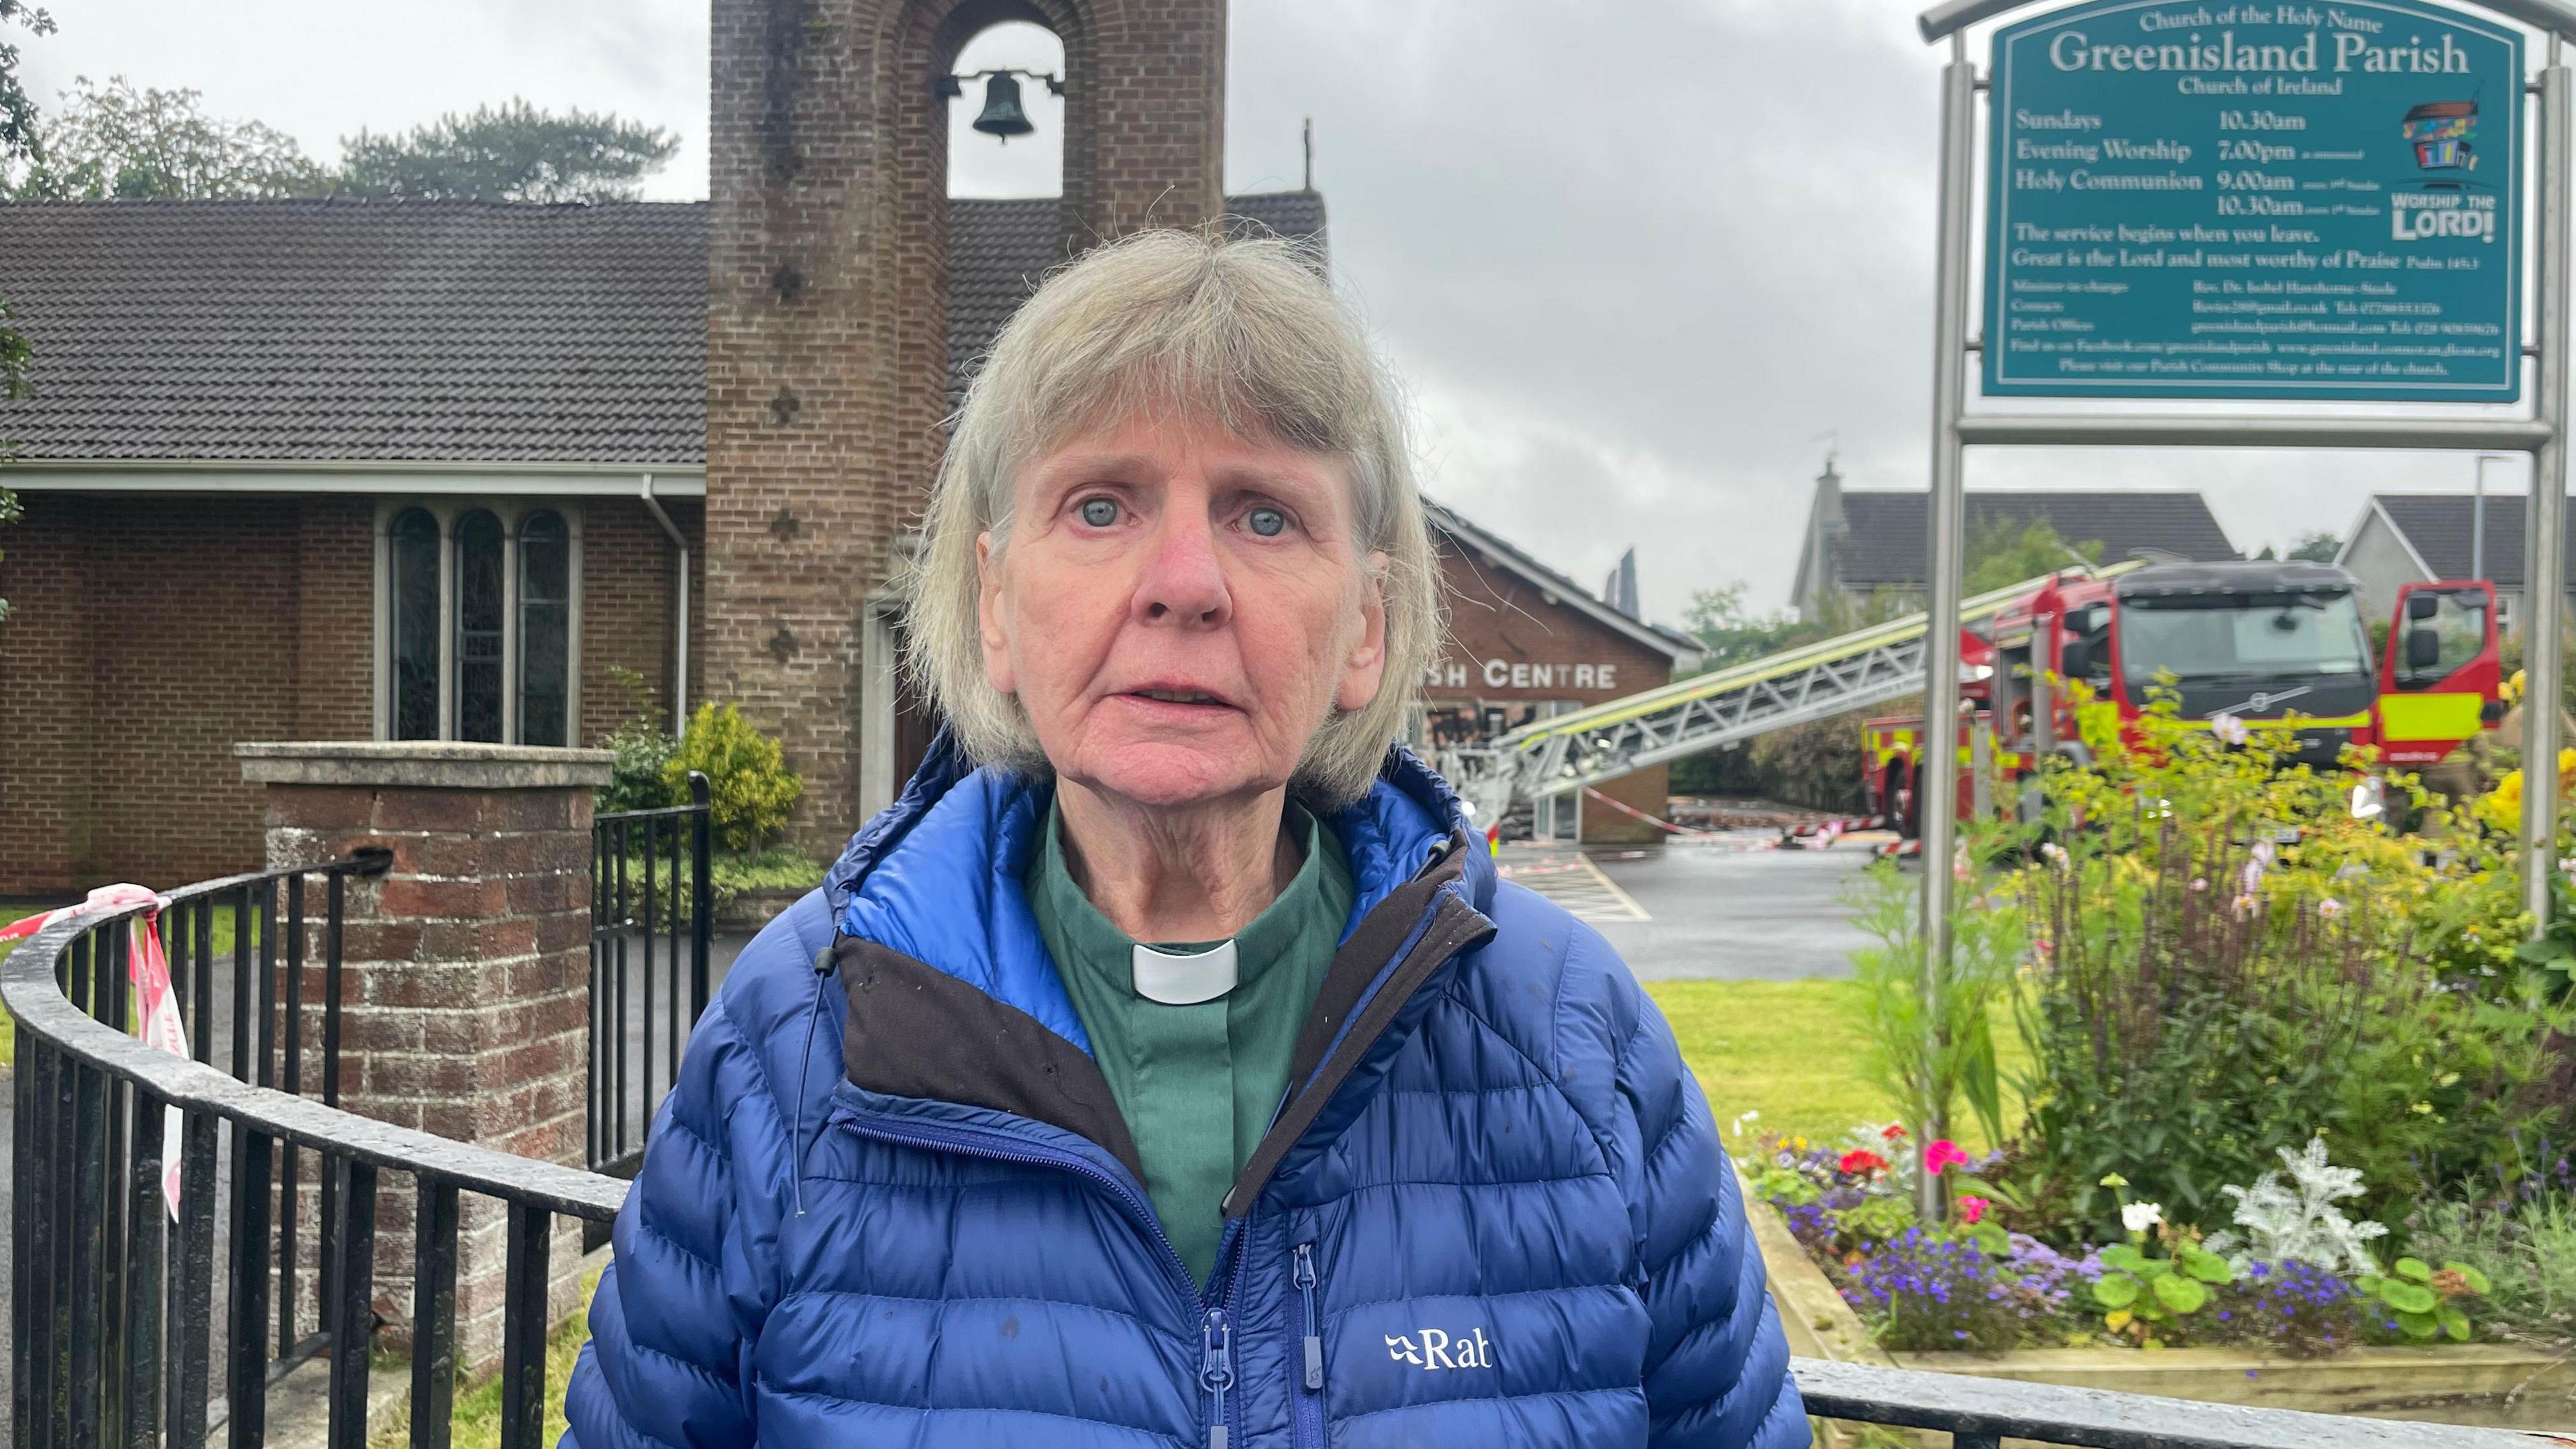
(425, 765)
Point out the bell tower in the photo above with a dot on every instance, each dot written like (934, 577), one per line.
(827, 324)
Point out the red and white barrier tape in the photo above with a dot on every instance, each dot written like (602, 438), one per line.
(1634, 813)
(157, 1021)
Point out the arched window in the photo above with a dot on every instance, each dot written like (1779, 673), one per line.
(413, 591)
(545, 628)
(481, 620)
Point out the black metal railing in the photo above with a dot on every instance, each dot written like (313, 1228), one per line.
(651, 924)
(1980, 1413)
(121, 1330)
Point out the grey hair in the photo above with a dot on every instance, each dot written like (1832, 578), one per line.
(1245, 333)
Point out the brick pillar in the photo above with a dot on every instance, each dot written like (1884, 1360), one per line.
(466, 992)
(827, 321)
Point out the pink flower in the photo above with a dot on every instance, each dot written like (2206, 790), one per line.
(2329, 908)
(1943, 1155)
(1971, 1209)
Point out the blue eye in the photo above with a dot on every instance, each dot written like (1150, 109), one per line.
(1267, 522)
(1099, 512)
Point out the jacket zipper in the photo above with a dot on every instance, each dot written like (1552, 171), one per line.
(1216, 1374)
(1310, 1396)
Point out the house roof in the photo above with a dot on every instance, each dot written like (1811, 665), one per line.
(1885, 545)
(1501, 553)
(423, 331)
(2439, 527)
(459, 331)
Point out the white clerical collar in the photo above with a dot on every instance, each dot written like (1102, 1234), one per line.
(1184, 980)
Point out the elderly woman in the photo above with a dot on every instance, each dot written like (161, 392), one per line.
(1167, 1066)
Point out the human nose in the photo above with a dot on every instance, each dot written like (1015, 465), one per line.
(1183, 581)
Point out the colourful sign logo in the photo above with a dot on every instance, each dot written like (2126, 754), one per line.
(2444, 134)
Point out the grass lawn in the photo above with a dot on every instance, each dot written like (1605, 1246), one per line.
(1791, 1051)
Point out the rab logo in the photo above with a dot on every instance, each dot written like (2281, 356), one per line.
(1438, 1350)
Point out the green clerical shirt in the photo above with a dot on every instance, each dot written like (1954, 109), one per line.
(1199, 1084)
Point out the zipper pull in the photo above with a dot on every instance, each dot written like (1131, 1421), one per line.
(824, 965)
(1303, 1272)
(1216, 1373)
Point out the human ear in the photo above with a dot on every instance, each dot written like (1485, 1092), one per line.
(1364, 667)
(988, 618)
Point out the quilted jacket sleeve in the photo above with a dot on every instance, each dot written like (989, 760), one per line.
(1717, 1367)
(682, 1302)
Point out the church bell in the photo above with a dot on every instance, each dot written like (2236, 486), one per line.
(1002, 114)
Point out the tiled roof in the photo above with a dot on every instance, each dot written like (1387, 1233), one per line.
(2440, 525)
(1885, 547)
(432, 331)
(998, 252)
(359, 330)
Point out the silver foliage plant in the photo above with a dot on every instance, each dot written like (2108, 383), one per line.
(2297, 1221)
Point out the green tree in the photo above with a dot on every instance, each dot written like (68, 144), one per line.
(508, 153)
(2319, 547)
(117, 141)
(2005, 552)
(1733, 633)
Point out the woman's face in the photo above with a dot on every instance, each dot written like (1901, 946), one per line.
(1179, 610)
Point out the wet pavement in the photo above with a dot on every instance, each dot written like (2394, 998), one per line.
(1729, 908)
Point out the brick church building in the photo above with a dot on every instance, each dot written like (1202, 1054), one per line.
(317, 470)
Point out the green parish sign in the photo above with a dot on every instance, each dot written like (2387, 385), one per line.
(2256, 200)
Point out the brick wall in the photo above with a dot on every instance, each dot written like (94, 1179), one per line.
(146, 636)
(626, 604)
(827, 329)
(44, 701)
(335, 631)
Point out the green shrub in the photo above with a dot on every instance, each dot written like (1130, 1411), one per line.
(747, 772)
(643, 749)
(2230, 962)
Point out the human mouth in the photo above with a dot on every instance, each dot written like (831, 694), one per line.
(1177, 696)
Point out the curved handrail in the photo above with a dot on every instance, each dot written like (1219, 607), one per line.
(29, 990)
(2550, 16)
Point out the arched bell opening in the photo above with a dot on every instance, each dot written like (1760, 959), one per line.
(1006, 124)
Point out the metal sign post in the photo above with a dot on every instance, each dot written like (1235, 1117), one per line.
(2442, 44)
(1936, 784)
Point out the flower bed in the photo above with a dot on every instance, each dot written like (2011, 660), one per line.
(2292, 1276)
(2493, 1385)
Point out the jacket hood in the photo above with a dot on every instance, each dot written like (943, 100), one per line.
(936, 876)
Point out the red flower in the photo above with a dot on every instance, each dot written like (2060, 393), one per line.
(1860, 1160)
(1892, 1131)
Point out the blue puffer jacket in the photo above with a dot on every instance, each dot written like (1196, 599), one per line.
(890, 1201)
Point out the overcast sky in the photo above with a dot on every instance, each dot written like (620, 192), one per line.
(1637, 259)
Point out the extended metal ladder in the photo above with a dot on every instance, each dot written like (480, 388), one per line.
(1850, 671)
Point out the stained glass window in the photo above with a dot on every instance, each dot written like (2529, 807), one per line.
(414, 563)
(481, 616)
(545, 624)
